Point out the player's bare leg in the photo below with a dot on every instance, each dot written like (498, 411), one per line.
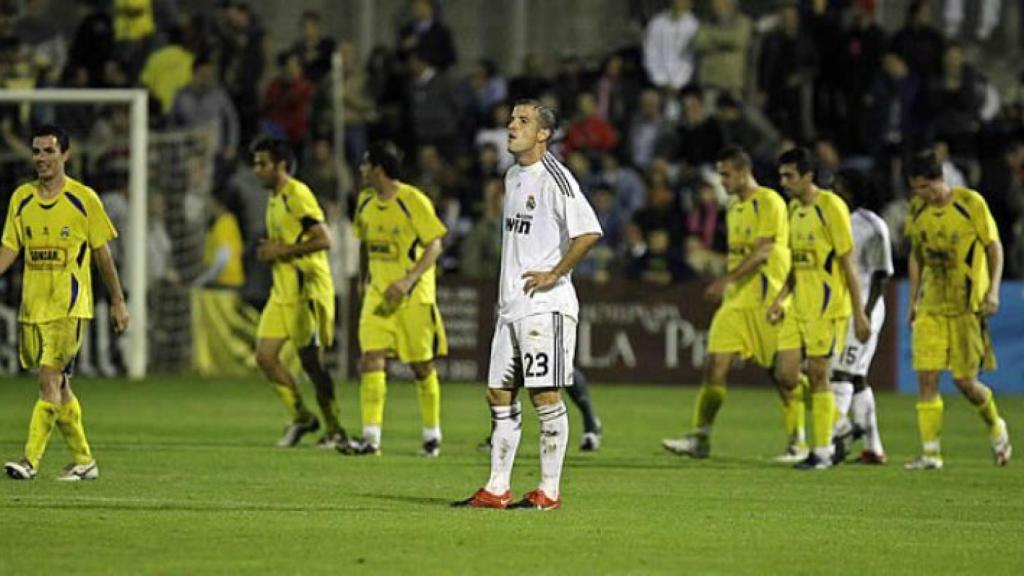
(983, 399)
(428, 390)
(268, 357)
(312, 363)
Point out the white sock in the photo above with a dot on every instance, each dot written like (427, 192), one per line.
(864, 415)
(371, 435)
(843, 392)
(507, 426)
(554, 437)
(432, 434)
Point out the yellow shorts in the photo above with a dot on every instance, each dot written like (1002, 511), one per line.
(413, 332)
(308, 322)
(53, 344)
(744, 331)
(954, 343)
(817, 338)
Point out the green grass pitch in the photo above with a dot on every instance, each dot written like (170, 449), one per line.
(191, 484)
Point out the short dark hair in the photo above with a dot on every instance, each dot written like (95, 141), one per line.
(547, 117)
(925, 164)
(800, 157)
(57, 132)
(200, 61)
(278, 149)
(386, 155)
(736, 155)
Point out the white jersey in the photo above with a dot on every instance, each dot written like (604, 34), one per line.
(544, 210)
(872, 249)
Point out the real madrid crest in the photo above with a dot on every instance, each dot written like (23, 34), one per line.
(65, 232)
(531, 202)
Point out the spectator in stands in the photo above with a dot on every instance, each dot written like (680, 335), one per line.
(589, 132)
(360, 108)
(530, 82)
(738, 130)
(286, 104)
(785, 76)
(626, 185)
(828, 162)
(314, 49)
(243, 57)
(616, 92)
(863, 46)
(668, 46)
(646, 130)
(661, 213)
(705, 245)
(168, 69)
(426, 37)
(320, 171)
(488, 87)
(386, 85)
(897, 102)
(955, 98)
(919, 43)
(134, 32)
(988, 16)
(93, 42)
(481, 252)
(202, 102)
(570, 82)
(825, 28)
(496, 134)
(722, 45)
(951, 173)
(437, 108)
(1002, 184)
(42, 40)
(700, 136)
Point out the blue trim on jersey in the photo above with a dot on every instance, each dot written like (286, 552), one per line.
(23, 204)
(827, 298)
(74, 293)
(76, 203)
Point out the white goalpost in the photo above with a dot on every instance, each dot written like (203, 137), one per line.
(137, 179)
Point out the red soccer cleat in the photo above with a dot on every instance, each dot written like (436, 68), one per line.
(537, 500)
(869, 457)
(484, 499)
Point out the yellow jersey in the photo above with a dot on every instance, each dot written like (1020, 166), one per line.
(226, 232)
(949, 242)
(58, 237)
(291, 211)
(819, 234)
(763, 215)
(394, 233)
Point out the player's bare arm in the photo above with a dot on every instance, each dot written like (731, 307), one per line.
(775, 311)
(7, 257)
(879, 280)
(758, 256)
(994, 251)
(537, 281)
(118, 308)
(399, 288)
(914, 278)
(271, 250)
(861, 325)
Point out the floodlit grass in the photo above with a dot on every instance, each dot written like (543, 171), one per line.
(191, 484)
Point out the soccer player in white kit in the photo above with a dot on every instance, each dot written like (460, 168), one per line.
(872, 251)
(549, 228)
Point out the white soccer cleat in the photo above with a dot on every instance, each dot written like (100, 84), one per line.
(794, 454)
(20, 470)
(1001, 448)
(75, 472)
(693, 445)
(296, 430)
(591, 442)
(925, 462)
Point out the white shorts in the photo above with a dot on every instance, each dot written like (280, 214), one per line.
(533, 352)
(856, 356)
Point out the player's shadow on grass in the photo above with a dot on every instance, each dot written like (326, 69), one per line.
(121, 506)
(420, 500)
(670, 461)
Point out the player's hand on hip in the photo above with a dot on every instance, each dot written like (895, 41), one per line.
(716, 290)
(776, 313)
(861, 326)
(990, 305)
(539, 281)
(119, 316)
(398, 289)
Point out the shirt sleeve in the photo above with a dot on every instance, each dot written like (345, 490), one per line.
(578, 215)
(839, 227)
(880, 254)
(12, 239)
(306, 209)
(984, 224)
(101, 229)
(425, 222)
(771, 219)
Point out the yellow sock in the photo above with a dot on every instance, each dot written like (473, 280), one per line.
(803, 388)
(823, 408)
(429, 392)
(794, 418)
(70, 424)
(929, 424)
(373, 387)
(709, 400)
(44, 414)
(990, 414)
(293, 401)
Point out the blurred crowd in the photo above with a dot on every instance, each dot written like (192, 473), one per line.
(641, 125)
